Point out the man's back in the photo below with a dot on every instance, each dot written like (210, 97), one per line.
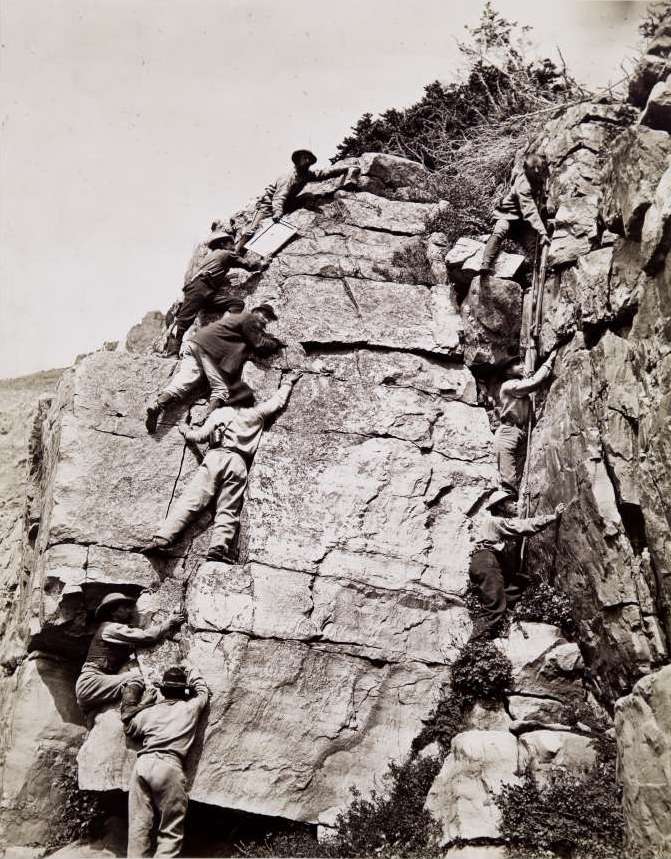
(167, 727)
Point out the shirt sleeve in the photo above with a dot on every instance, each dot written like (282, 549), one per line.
(524, 387)
(273, 404)
(119, 633)
(523, 527)
(198, 684)
(238, 261)
(528, 206)
(281, 195)
(320, 174)
(202, 433)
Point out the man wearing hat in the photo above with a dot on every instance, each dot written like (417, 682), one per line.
(166, 731)
(207, 287)
(233, 435)
(218, 352)
(112, 646)
(510, 437)
(279, 196)
(488, 570)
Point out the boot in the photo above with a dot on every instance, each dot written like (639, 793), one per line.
(218, 553)
(489, 256)
(158, 544)
(154, 411)
(215, 403)
(172, 345)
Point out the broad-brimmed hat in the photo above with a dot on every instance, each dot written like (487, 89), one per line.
(174, 678)
(219, 235)
(497, 497)
(112, 599)
(267, 309)
(297, 154)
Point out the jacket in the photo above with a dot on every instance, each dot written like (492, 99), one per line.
(521, 203)
(113, 643)
(514, 395)
(241, 428)
(231, 340)
(170, 726)
(495, 530)
(216, 262)
(280, 193)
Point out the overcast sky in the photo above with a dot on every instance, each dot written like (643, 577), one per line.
(128, 125)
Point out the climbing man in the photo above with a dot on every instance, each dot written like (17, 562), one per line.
(518, 213)
(218, 352)
(207, 289)
(279, 196)
(165, 731)
(234, 432)
(489, 570)
(112, 646)
(509, 438)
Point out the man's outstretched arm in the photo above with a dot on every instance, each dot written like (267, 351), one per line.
(279, 399)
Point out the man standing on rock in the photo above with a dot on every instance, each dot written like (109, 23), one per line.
(279, 196)
(218, 353)
(234, 435)
(166, 731)
(207, 288)
(497, 589)
(112, 646)
(510, 437)
(518, 213)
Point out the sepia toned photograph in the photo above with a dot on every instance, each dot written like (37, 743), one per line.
(335, 429)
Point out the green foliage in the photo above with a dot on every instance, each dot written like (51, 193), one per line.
(79, 813)
(446, 722)
(481, 672)
(568, 815)
(413, 263)
(500, 83)
(542, 603)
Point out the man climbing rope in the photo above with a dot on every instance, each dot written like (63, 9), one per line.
(208, 288)
(510, 436)
(234, 435)
(166, 731)
(497, 588)
(280, 195)
(218, 353)
(518, 213)
(112, 645)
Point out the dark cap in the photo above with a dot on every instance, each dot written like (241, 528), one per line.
(267, 309)
(112, 600)
(297, 154)
(240, 395)
(174, 678)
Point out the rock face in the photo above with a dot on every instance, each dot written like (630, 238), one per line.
(327, 644)
(643, 721)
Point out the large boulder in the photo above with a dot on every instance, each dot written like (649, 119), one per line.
(657, 113)
(643, 727)
(462, 796)
(492, 316)
(649, 70)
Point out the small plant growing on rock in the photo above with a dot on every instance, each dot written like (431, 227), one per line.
(481, 672)
(542, 603)
(80, 813)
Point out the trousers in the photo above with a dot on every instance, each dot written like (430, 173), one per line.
(195, 365)
(203, 293)
(509, 449)
(94, 687)
(223, 476)
(157, 786)
(519, 231)
(495, 593)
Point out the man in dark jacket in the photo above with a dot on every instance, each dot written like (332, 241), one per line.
(518, 213)
(218, 353)
(496, 588)
(207, 288)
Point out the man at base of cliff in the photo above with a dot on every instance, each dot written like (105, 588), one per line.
(166, 731)
(518, 213)
(510, 437)
(497, 589)
(218, 353)
(233, 435)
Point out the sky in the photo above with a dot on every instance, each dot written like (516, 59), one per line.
(129, 125)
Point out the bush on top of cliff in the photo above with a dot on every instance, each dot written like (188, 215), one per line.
(657, 14)
(501, 82)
